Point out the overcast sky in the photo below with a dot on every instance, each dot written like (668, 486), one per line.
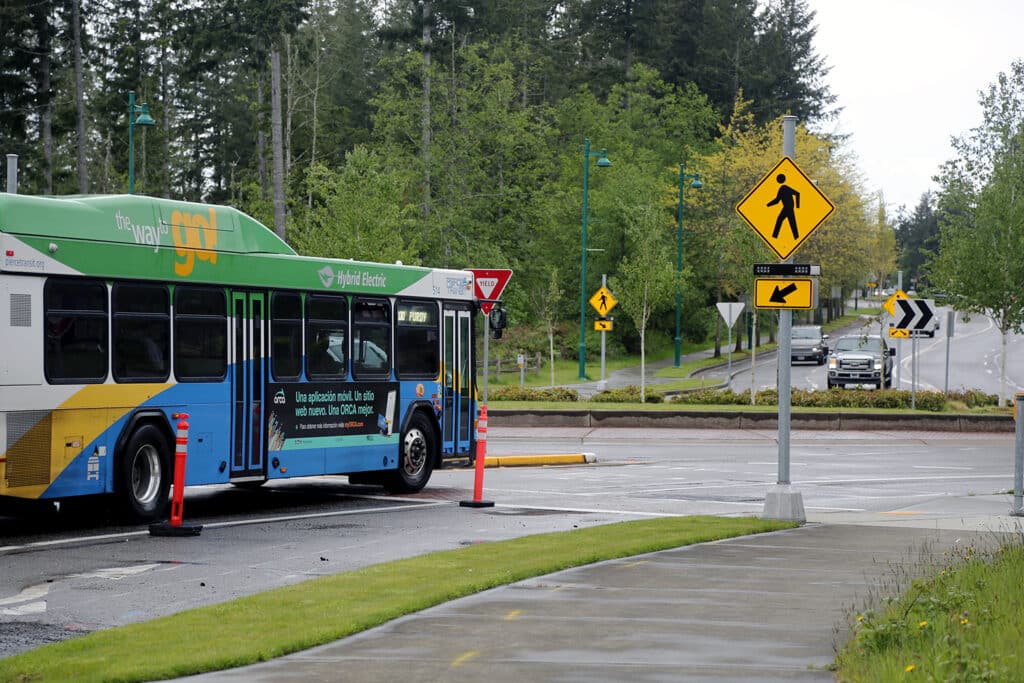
(907, 74)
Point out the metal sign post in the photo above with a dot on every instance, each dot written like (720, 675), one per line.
(782, 502)
(730, 311)
(1018, 456)
(950, 321)
(604, 284)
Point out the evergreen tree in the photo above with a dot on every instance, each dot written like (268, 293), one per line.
(917, 236)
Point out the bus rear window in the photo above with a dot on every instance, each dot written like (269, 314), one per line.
(76, 331)
(200, 334)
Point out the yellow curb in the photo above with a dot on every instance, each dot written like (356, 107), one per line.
(537, 460)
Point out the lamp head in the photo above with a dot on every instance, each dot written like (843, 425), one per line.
(696, 184)
(603, 161)
(143, 118)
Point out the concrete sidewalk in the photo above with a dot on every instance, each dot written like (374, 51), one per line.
(771, 607)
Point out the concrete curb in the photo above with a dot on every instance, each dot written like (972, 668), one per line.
(539, 460)
(740, 419)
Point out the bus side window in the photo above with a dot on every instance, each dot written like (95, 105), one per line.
(326, 336)
(76, 342)
(200, 334)
(142, 332)
(286, 336)
(371, 334)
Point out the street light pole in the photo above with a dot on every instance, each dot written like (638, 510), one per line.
(679, 260)
(138, 115)
(602, 162)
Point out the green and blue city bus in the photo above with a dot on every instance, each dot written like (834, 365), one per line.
(117, 312)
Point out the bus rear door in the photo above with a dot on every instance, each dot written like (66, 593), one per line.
(247, 389)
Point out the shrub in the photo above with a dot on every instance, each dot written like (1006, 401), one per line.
(518, 393)
(973, 398)
(834, 398)
(630, 394)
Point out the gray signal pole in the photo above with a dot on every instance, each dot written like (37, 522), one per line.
(782, 502)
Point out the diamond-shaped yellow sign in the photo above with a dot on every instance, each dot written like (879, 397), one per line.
(603, 301)
(784, 208)
(890, 303)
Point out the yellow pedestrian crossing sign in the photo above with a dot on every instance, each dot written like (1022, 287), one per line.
(784, 208)
(603, 301)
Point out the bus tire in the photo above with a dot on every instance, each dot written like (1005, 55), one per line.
(417, 453)
(144, 475)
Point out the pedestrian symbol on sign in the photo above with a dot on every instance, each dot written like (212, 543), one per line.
(790, 200)
(603, 301)
(785, 195)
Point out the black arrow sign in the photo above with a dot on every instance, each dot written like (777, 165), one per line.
(779, 295)
(926, 314)
(908, 313)
(917, 313)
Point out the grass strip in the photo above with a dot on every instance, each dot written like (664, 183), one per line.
(293, 618)
(963, 623)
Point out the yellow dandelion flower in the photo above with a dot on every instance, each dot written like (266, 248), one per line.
(860, 617)
(923, 624)
(910, 667)
(964, 622)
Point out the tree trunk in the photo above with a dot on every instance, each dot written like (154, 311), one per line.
(261, 140)
(425, 120)
(44, 35)
(76, 32)
(276, 140)
(290, 108)
(551, 352)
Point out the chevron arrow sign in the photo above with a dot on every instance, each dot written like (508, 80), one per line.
(914, 314)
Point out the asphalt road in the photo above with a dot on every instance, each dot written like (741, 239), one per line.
(73, 572)
(975, 361)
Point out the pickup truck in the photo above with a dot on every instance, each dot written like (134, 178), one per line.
(860, 359)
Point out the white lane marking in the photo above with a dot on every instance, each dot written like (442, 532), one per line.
(940, 467)
(241, 522)
(115, 573)
(317, 515)
(590, 510)
(30, 608)
(31, 593)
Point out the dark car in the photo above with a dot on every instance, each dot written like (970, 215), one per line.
(807, 343)
(860, 359)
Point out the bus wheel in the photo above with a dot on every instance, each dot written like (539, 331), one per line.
(416, 458)
(144, 475)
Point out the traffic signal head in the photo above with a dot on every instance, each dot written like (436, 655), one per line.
(498, 321)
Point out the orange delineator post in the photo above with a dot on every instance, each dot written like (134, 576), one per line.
(180, 455)
(175, 527)
(481, 456)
